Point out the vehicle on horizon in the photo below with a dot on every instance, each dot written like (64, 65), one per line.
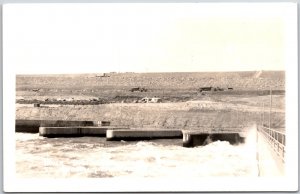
(138, 89)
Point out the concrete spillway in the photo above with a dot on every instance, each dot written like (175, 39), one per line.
(32, 126)
(196, 138)
(99, 131)
(62, 128)
(142, 134)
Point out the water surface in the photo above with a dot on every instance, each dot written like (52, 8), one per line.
(94, 157)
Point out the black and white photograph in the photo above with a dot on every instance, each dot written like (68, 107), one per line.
(150, 97)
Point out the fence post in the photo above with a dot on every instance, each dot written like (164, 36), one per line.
(237, 116)
(263, 114)
(257, 152)
(270, 108)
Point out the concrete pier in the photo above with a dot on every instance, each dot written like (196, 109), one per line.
(36, 105)
(32, 126)
(269, 164)
(27, 126)
(196, 138)
(142, 134)
(101, 123)
(270, 152)
(64, 123)
(75, 131)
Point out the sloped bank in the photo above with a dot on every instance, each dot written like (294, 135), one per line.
(164, 115)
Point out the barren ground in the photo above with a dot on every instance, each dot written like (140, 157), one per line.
(183, 106)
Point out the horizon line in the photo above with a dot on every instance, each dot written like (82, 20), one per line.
(165, 72)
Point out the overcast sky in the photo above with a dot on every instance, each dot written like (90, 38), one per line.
(91, 38)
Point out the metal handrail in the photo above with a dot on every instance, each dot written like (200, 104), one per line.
(266, 128)
(276, 139)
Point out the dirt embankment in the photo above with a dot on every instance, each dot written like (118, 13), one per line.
(187, 115)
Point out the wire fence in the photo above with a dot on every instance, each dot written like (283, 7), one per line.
(276, 140)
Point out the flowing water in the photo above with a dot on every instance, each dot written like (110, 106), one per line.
(94, 157)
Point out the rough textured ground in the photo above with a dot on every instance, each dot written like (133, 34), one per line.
(237, 80)
(171, 87)
(192, 114)
(183, 105)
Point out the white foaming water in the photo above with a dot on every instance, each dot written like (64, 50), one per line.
(91, 157)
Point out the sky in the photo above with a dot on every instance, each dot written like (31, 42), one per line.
(92, 38)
